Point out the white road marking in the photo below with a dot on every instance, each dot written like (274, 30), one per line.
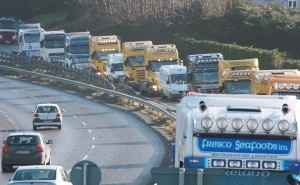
(33, 97)
(83, 123)
(94, 138)
(85, 157)
(89, 131)
(14, 91)
(93, 146)
(74, 116)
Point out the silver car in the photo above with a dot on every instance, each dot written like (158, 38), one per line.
(25, 148)
(46, 175)
(47, 114)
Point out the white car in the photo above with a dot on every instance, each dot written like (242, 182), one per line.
(40, 174)
(47, 114)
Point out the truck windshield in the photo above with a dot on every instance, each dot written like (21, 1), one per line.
(32, 38)
(55, 43)
(179, 78)
(79, 49)
(155, 67)
(118, 67)
(102, 55)
(238, 87)
(136, 61)
(206, 78)
(7, 25)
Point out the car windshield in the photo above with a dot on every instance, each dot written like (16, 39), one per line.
(239, 87)
(32, 38)
(35, 174)
(179, 78)
(22, 140)
(136, 61)
(55, 43)
(155, 67)
(47, 109)
(79, 49)
(118, 67)
(206, 77)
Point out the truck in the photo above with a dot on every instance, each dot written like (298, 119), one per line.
(114, 67)
(28, 37)
(235, 75)
(77, 50)
(100, 47)
(173, 81)
(284, 85)
(259, 80)
(236, 140)
(134, 64)
(203, 72)
(52, 44)
(8, 30)
(155, 57)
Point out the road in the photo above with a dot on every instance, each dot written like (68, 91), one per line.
(122, 146)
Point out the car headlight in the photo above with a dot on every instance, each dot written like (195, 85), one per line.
(237, 124)
(252, 124)
(268, 125)
(206, 123)
(222, 124)
(283, 125)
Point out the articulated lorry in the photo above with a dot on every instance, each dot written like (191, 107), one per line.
(173, 81)
(284, 85)
(8, 30)
(28, 36)
(134, 62)
(226, 139)
(77, 50)
(259, 80)
(52, 44)
(100, 47)
(235, 75)
(155, 57)
(203, 72)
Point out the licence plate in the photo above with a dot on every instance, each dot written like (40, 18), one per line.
(22, 152)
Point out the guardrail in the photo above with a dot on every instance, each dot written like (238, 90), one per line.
(82, 78)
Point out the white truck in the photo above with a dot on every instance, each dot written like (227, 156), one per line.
(239, 139)
(28, 36)
(114, 67)
(52, 45)
(173, 81)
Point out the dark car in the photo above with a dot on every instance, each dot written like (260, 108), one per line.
(25, 149)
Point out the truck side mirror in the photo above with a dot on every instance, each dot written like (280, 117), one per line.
(42, 43)
(189, 77)
(168, 81)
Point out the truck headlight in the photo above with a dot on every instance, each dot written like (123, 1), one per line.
(237, 124)
(222, 124)
(268, 125)
(252, 124)
(218, 163)
(234, 163)
(206, 123)
(283, 125)
(269, 164)
(252, 164)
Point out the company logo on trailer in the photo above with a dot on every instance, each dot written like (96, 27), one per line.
(244, 145)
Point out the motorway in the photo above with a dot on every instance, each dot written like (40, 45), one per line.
(122, 145)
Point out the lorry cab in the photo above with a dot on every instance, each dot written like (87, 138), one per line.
(114, 67)
(28, 36)
(173, 81)
(52, 46)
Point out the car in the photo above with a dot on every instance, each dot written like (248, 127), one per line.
(25, 148)
(47, 114)
(39, 174)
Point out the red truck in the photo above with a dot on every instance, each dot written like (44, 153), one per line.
(8, 30)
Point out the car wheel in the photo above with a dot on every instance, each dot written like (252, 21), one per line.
(6, 168)
(59, 127)
(49, 161)
(34, 127)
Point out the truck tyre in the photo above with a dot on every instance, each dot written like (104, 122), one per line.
(163, 97)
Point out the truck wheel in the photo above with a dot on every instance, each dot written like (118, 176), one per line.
(163, 97)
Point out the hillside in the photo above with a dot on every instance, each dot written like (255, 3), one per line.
(227, 21)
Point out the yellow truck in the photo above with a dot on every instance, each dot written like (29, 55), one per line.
(235, 75)
(134, 64)
(155, 57)
(284, 85)
(100, 47)
(259, 80)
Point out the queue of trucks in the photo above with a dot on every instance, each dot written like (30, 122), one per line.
(137, 64)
